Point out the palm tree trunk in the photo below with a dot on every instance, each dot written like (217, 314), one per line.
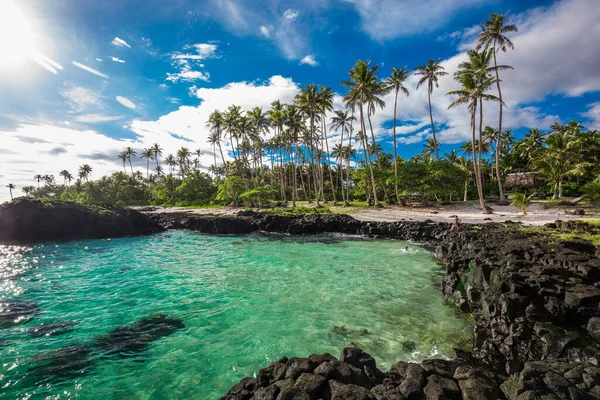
(348, 159)
(395, 156)
(385, 191)
(131, 166)
(294, 181)
(501, 190)
(329, 163)
(466, 189)
(233, 194)
(147, 167)
(474, 154)
(432, 126)
(480, 188)
(560, 186)
(237, 164)
(366, 145)
(341, 168)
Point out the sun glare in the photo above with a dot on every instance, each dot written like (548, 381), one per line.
(17, 40)
(16, 37)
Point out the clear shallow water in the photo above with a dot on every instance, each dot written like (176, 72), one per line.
(246, 301)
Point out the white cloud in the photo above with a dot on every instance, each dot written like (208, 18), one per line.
(95, 118)
(118, 42)
(187, 75)
(126, 102)
(593, 115)
(290, 15)
(79, 98)
(390, 19)
(90, 70)
(99, 60)
(173, 100)
(265, 31)
(309, 60)
(186, 61)
(117, 59)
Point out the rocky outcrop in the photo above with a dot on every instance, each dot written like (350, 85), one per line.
(30, 221)
(533, 298)
(249, 221)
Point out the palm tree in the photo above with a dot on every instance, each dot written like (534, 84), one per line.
(560, 158)
(396, 83)
(521, 200)
(48, 179)
(66, 176)
(472, 93)
(10, 187)
(183, 156)
(199, 153)
(171, 162)
(148, 154)
(130, 152)
(342, 120)
(308, 103)
(157, 151)
(326, 103)
(159, 170)
(84, 172)
(529, 147)
(38, 178)
(123, 157)
(430, 73)
(493, 35)
(364, 89)
(28, 190)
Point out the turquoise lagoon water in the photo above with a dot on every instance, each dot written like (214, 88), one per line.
(245, 300)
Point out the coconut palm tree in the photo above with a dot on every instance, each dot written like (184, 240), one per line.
(157, 151)
(493, 35)
(183, 157)
(326, 103)
(159, 170)
(233, 124)
(171, 162)
(342, 120)
(28, 190)
(521, 200)
(10, 187)
(84, 172)
(123, 157)
(66, 176)
(148, 154)
(199, 153)
(560, 158)
(364, 89)
(130, 152)
(38, 178)
(48, 179)
(472, 93)
(430, 74)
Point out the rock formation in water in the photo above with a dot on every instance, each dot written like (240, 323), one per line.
(29, 221)
(123, 341)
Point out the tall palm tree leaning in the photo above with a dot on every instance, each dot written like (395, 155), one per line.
(430, 73)
(342, 120)
(493, 35)
(10, 187)
(396, 83)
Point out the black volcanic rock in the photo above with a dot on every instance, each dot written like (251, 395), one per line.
(29, 221)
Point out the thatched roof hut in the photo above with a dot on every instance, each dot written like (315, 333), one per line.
(521, 180)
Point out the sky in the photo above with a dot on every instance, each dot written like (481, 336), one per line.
(82, 80)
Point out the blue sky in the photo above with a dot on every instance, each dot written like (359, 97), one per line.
(81, 80)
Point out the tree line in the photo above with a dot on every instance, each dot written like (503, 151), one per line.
(283, 154)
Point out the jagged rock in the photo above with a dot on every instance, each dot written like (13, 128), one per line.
(310, 383)
(593, 328)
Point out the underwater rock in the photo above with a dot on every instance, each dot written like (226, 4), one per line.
(16, 312)
(128, 340)
(123, 341)
(53, 329)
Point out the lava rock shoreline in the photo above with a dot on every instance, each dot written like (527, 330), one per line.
(32, 221)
